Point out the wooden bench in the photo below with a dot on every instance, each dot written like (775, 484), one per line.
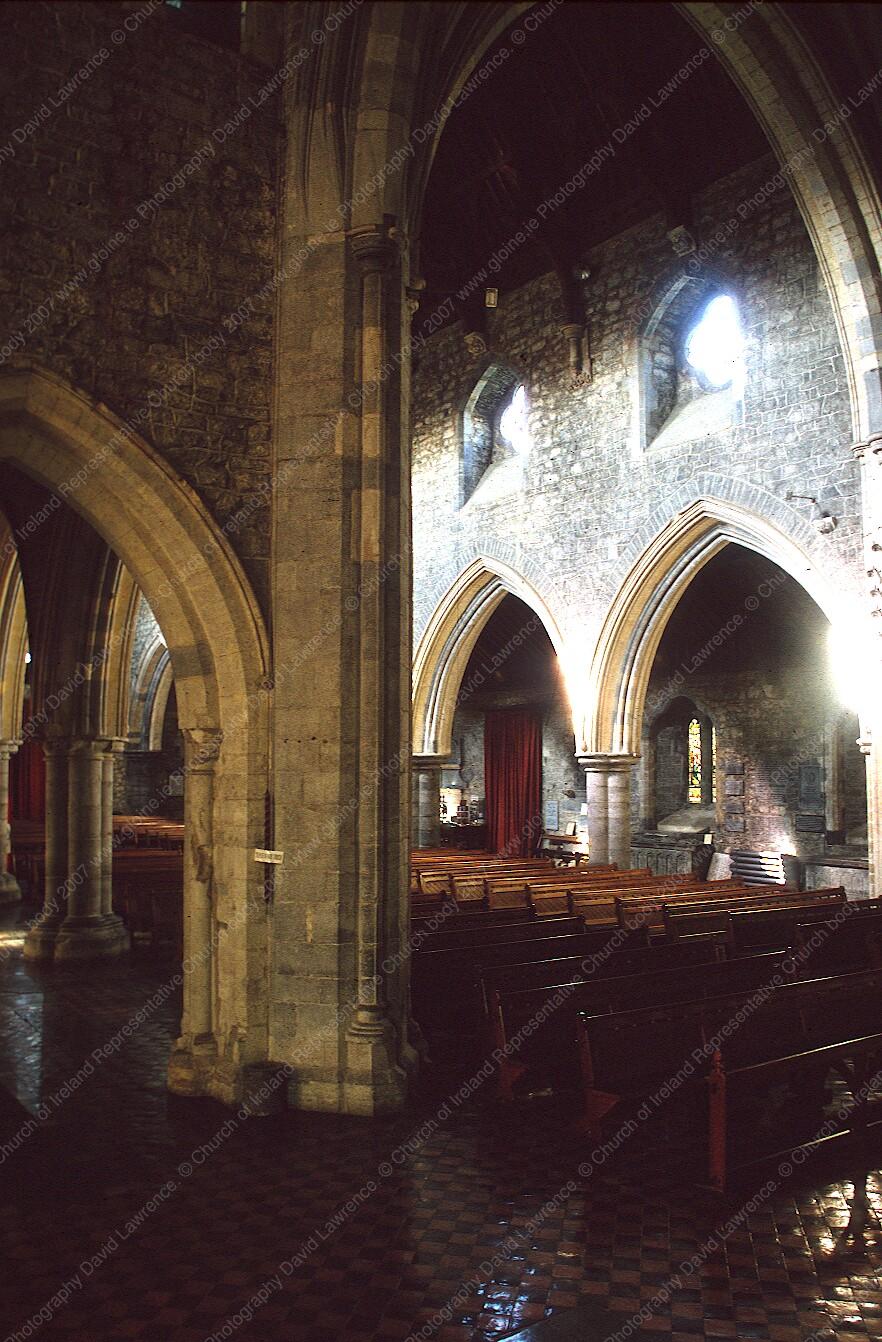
(850, 941)
(445, 984)
(711, 1052)
(770, 908)
(470, 877)
(549, 1050)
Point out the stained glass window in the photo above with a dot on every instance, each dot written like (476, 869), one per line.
(694, 739)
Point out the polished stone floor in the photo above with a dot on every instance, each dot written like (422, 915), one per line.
(127, 1214)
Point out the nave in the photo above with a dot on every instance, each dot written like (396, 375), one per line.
(478, 1226)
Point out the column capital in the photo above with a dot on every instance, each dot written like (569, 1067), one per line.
(601, 762)
(424, 762)
(872, 444)
(87, 745)
(114, 745)
(9, 747)
(414, 294)
(374, 247)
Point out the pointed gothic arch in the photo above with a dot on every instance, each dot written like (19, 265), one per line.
(188, 572)
(450, 637)
(639, 613)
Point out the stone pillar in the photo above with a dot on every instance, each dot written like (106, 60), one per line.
(9, 889)
(195, 1052)
(871, 752)
(426, 794)
(374, 1080)
(40, 940)
(608, 790)
(341, 706)
(596, 777)
(108, 765)
(869, 455)
(88, 933)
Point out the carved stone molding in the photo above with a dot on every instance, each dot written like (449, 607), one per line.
(374, 247)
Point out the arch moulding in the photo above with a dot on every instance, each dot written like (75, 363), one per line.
(449, 640)
(639, 613)
(184, 565)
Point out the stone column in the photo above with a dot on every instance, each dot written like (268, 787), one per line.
(107, 772)
(374, 1079)
(596, 777)
(195, 1052)
(871, 752)
(87, 932)
(9, 889)
(341, 706)
(426, 792)
(869, 455)
(40, 940)
(608, 790)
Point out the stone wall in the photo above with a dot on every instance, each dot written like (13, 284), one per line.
(141, 777)
(771, 759)
(138, 214)
(563, 782)
(587, 498)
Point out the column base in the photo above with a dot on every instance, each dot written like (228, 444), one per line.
(192, 1065)
(197, 1068)
(95, 937)
(10, 893)
(39, 942)
(374, 1081)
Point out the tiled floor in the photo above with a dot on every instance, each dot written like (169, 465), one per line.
(470, 1228)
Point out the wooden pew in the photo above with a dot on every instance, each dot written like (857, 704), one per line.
(759, 923)
(706, 1051)
(550, 1049)
(635, 906)
(445, 985)
(608, 961)
(693, 896)
(850, 941)
(439, 880)
(495, 933)
(520, 891)
(148, 895)
(757, 929)
(449, 918)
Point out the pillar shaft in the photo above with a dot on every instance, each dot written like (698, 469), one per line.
(608, 791)
(374, 253)
(107, 771)
(193, 1065)
(341, 573)
(84, 857)
(201, 750)
(598, 814)
(619, 798)
(426, 800)
(41, 938)
(869, 455)
(9, 890)
(91, 930)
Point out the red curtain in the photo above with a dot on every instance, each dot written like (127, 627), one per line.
(513, 780)
(27, 782)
